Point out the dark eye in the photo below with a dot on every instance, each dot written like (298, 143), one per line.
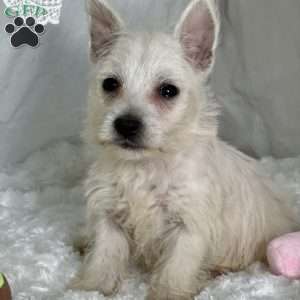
(111, 85)
(168, 91)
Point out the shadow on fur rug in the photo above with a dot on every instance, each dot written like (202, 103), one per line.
(41, 204)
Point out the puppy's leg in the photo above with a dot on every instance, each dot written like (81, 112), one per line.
(106, 262)
(180, 272)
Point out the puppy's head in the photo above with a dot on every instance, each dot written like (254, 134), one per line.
(146, 95)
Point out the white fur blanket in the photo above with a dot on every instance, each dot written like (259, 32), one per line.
(40, 205)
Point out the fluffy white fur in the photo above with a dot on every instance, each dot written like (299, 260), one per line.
(186, 205)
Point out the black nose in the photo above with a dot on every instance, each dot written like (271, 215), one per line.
(128, 126)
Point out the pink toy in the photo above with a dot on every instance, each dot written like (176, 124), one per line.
(283, 255)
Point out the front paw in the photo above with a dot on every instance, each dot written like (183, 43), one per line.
(164, 294)
(105, 286)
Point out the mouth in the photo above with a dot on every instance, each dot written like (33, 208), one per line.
(129, 145)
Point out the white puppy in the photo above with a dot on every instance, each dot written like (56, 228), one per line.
(165, 192)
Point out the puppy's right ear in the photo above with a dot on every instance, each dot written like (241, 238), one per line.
(104, 27)
(198, 33)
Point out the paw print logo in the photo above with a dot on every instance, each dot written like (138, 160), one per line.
(24, 32)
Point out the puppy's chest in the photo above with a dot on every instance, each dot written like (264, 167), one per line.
(148, 198)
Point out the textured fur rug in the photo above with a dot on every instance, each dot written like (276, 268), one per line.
(41, 205)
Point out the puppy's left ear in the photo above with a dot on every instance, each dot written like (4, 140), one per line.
(198, 33)
(105, 26)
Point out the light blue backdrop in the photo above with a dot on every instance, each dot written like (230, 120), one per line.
(257, 75)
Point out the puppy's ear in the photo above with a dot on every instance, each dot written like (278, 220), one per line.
(104, 27)
(198, 32)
